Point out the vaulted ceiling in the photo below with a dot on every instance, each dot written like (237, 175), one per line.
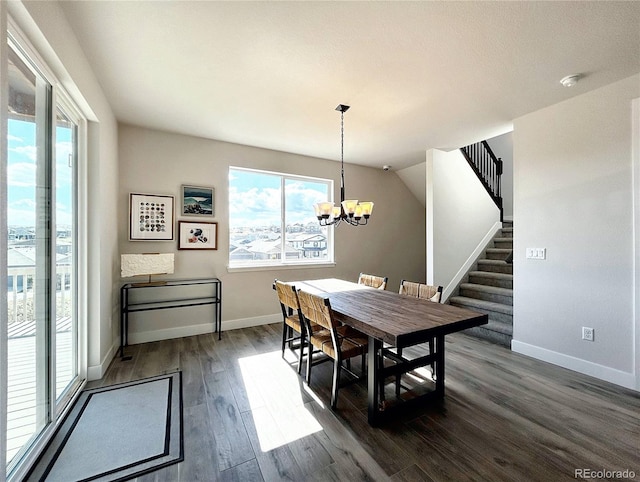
(417, 75)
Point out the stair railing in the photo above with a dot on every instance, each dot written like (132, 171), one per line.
(488, 169)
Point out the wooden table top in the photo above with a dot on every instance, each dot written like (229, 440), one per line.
(396, 319)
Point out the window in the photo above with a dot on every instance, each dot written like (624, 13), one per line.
(272, 222)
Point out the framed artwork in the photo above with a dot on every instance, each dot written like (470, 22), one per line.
(150, 217)
(198, 201)
(194, 235)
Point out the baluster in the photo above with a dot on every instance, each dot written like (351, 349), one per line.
(63, 280)
(15, 298)
(25, 288)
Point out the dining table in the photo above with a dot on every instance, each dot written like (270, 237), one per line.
(390, 319)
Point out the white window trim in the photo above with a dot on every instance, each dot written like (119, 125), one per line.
(297, 264)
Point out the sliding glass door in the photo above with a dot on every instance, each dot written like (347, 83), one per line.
(42, 263)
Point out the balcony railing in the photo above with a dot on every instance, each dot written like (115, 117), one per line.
(20, 294)
(21, 386)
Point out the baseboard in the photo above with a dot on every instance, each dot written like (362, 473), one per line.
(96, 372)
(191, 330)
(617, 377)
(473, 257)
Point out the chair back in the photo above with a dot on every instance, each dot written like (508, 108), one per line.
(317, 309)
(373, 281)
(419, 290)
(288, 297)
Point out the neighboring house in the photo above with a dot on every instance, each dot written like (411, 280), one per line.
(312, 246)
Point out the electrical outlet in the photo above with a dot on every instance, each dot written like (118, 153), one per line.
(587, 333)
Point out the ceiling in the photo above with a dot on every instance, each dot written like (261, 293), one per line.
(417, 75)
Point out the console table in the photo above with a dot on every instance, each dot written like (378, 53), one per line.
(158, 294)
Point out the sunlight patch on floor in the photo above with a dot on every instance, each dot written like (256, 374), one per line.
(274, 390)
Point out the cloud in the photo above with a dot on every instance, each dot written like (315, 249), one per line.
(260, 207)
(22, 174)
(30, 152)
(21, 213)
(14, 138)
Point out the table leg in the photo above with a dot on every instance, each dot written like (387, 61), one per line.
(439, 366)
(375, 346)
(123, 314)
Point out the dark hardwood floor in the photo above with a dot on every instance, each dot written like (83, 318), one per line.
(505, 417)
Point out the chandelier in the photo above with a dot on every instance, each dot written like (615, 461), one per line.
(350, 211)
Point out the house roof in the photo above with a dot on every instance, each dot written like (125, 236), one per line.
(417, 75)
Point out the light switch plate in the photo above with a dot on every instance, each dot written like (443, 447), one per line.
(536, 253)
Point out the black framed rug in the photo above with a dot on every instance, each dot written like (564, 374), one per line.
(117, 432)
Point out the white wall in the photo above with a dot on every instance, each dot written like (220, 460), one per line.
(461, 217)
(392, 244)
(573, 196)
(414, 178)
(502, 147)
(47, 28)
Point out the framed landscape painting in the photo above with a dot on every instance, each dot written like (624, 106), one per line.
(197, 201)
(150, 217)
(195, 235)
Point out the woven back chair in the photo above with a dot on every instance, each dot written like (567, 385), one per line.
(419, 290)
(373, 281)
(292, 324)
(427, 292)
(329, 337)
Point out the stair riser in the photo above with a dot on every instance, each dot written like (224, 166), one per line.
(502, 244)
(493, 336)
(500, 256)
(501, 268)
(499, 283)
(506, 233)
(493, 315)
(483, 295)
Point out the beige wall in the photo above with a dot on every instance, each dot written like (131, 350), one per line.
(159, 162)
(573, 195)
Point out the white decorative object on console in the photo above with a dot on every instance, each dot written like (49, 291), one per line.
(146, 264)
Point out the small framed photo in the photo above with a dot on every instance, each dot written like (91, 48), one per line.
(150, 217)
(194, 235)
(198, 201)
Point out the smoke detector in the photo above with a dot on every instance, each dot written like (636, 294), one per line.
(571, 80)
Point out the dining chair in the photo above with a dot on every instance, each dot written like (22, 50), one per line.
(419, 290)
(373, 281)
(338, 342)
(292, 325)
(424, 291)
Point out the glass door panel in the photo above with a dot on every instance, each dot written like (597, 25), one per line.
(66, 333)
(28, 253)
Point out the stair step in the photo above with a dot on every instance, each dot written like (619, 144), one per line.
(498, 253)
(488, 278)
(495, 266)
(495, 332)
(497, 311)
(507, 232)
(487, 293)
(506, 243)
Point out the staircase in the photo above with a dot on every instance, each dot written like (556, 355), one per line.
(488, 288)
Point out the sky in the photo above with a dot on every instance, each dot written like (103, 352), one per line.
(255, 199)
(21, 175)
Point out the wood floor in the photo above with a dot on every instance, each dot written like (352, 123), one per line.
(505, 417)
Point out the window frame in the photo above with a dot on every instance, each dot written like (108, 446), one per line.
(14, 37)
(283, 263)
